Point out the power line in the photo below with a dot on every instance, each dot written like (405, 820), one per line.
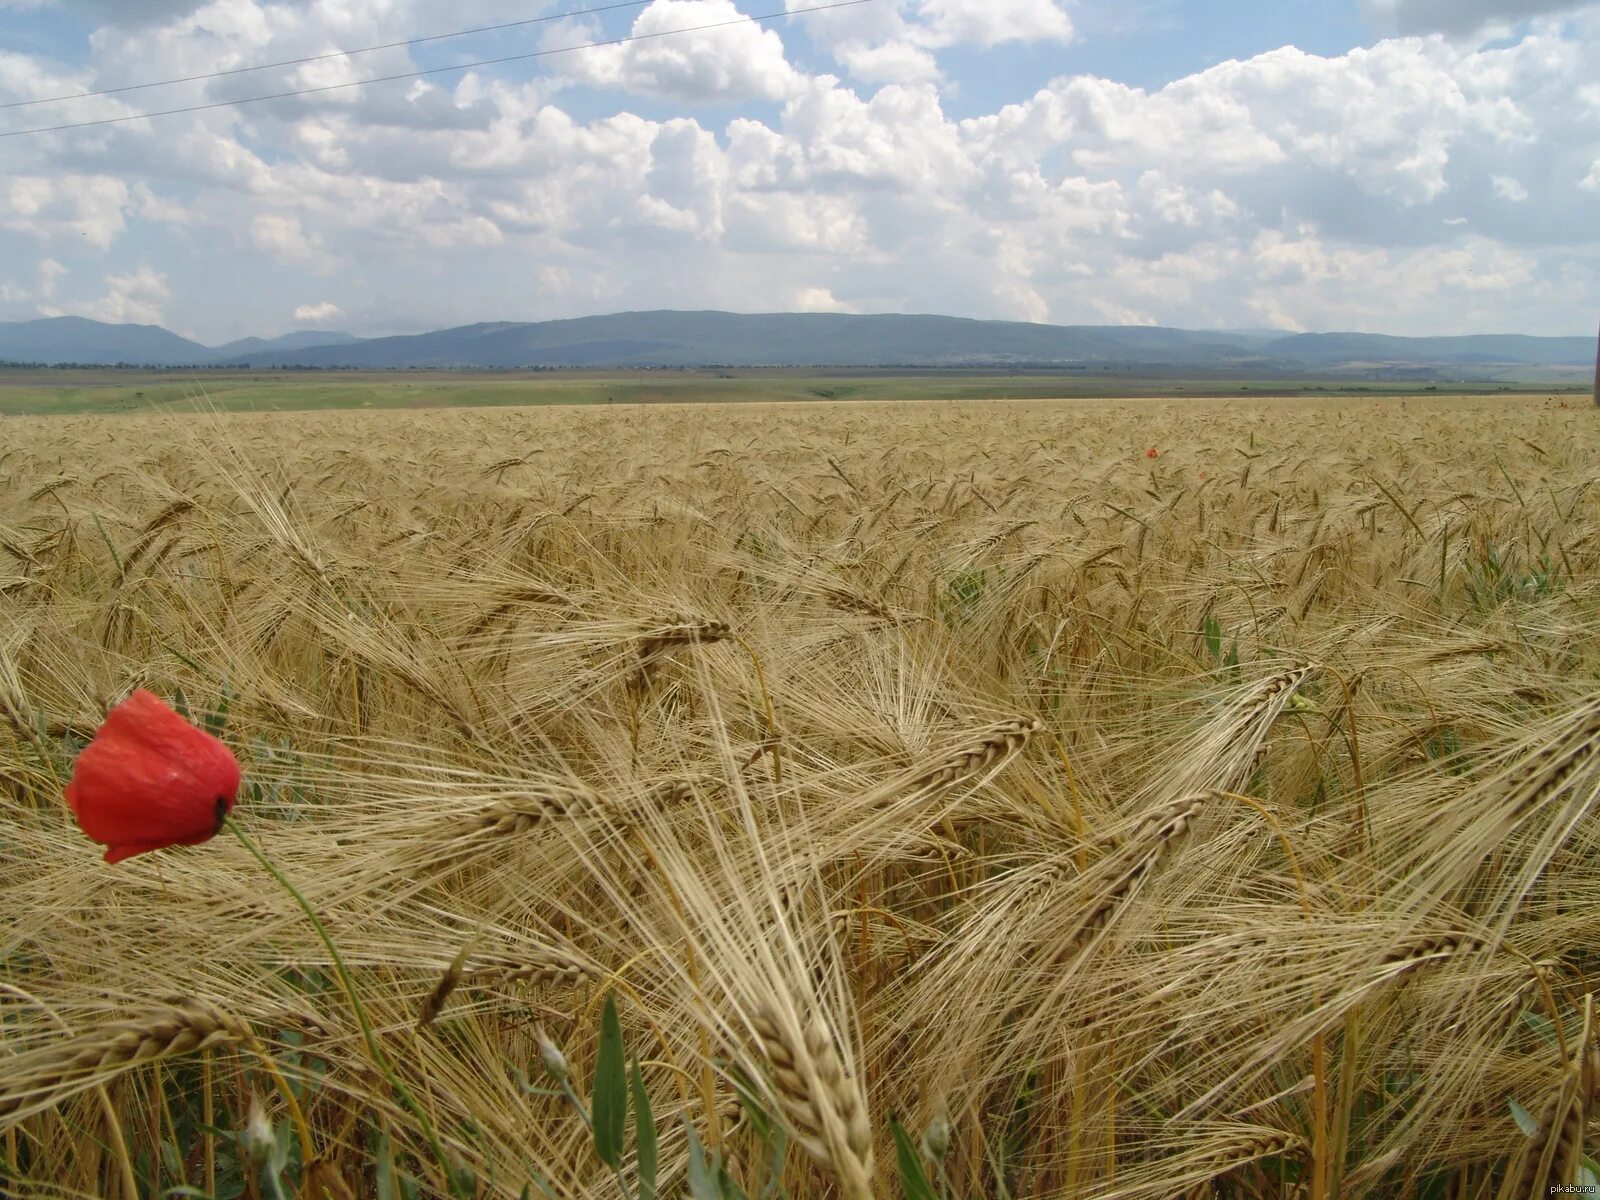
(295, 62)
(486, 62)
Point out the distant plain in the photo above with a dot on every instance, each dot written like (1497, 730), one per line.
(91, 391)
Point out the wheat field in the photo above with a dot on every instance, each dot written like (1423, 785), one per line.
(1216, 822)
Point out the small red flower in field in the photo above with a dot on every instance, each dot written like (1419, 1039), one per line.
(150, 779)
(1150, 453)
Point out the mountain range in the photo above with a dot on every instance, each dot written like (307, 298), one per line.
(702, 339)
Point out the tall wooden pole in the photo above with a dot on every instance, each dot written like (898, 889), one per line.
(1597, 373)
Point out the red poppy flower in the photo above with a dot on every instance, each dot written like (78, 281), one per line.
(1150, 453)
(150, 779)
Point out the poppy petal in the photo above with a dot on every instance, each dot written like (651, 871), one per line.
(150, 779)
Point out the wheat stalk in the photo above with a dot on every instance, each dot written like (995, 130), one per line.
(39, 1079)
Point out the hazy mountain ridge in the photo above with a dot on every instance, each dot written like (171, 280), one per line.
(78, 339)
(670, 338)
(81, 340)
(245, 348)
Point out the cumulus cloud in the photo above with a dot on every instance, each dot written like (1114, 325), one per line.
(281, 236)
(317, 314)
(1508, 188)
(1288, 188)
(990, 22)
(899, 41)
(137, 298)
(65, 208)
(818, 299)
(51, 273)
(1457, 16)
(739, 61)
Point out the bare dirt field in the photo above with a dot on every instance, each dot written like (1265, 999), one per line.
(1123, 799)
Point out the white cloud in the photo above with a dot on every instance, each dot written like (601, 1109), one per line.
(51, 273)
(48, 275)
(1288, 188)
(65, 207)
(990, 22)
(739, 61)
(149, 206)
(898, 41)
(318, 314)
(137, 298)
(281, 235)
(898, 61)
(1508, 188)
(818, 299)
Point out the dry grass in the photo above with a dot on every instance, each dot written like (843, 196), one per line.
(1214, 824)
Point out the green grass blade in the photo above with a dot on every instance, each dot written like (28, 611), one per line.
(702, 1175)
(610, 1090)
(644, 1124)
(913, 1179)
(1526, 1121)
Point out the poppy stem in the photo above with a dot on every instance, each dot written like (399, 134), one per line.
(368, 1034)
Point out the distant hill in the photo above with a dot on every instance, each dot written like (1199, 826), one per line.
(80, 340)
(702, 339)
(1326, 349)
(694, 339)
(245, 349)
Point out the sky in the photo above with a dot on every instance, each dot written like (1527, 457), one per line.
(1390, 166)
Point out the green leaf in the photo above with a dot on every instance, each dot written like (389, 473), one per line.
(115, 557)
(383, 1173)
(702, 1175)
(1525, 1120)
(727, 1187)
(644, 1133)
(1541, 1025)
(278, 1160)
(775, 1161)
(216, 720)
(1588, 1175)
(750, 1101)
(610, 1090)
(913, 1179)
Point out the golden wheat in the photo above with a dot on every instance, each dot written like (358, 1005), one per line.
(1223, 823)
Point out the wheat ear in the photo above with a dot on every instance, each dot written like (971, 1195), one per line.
(40, 1079)
(823, 1103)
(1552, 1155)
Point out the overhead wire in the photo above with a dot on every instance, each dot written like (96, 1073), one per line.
(311, 58)
(417, 74)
